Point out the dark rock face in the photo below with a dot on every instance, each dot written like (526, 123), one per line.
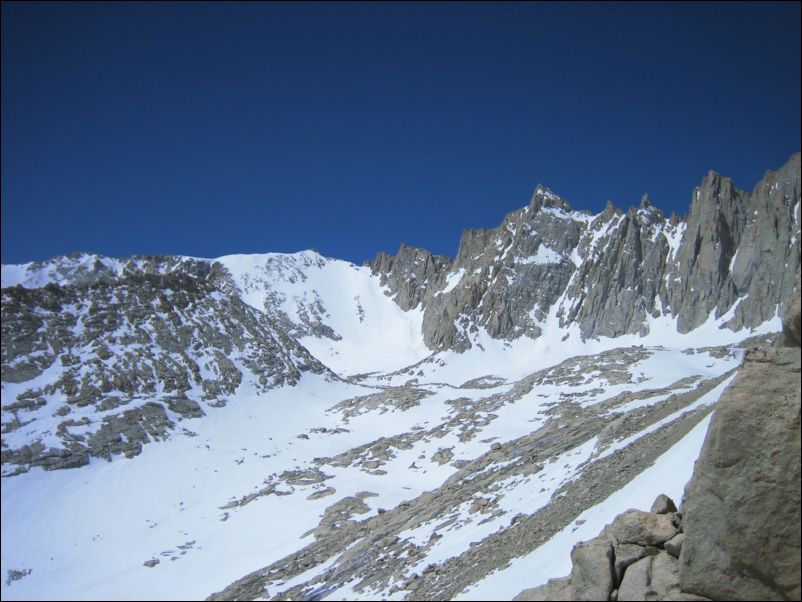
(737, 245)
(609, 273)
(742, 506)
(663, 505)
(414, 274)
(621, 273)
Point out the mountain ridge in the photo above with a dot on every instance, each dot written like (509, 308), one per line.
(674, 279)
(545, 272)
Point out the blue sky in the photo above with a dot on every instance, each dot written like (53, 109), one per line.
(209, 129)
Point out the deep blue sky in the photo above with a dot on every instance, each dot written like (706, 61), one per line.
(208, 129)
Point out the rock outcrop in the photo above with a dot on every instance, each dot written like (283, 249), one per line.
(414, 274)
(630, 560)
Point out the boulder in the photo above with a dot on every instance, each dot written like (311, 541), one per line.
(592, 574)
(741, 511)
(651, 578)
(627, 554)
(674, 545)
(663, 505)
(643, 528)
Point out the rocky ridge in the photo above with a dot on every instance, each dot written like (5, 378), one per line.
(610, 273)
(102, 367)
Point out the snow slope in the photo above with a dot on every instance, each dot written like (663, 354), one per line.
(668, 475)
(352, 325)
(337, 310)
(85, 534)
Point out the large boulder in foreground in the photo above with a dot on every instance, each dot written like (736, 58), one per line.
(792, 320)
(742, 506)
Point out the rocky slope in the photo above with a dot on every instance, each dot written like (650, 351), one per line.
(505, 502)
(738, 534)
(101, 367)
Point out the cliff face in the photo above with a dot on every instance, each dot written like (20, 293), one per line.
(413, 274)
(742, 506)
(610, 273)
(738, 247)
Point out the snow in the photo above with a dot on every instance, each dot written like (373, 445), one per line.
(708, 398)
(732, 262)
(63, 270)
(674, 238)
(376, 335)
(32, 275)
(525, 495)
(452, 280)
(123, 513)
(544, 255)
(669, 474)
(556, 212)
(515, 359)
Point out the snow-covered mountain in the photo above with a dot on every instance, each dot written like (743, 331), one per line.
(296, 426)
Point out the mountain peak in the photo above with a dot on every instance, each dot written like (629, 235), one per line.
(544, 197)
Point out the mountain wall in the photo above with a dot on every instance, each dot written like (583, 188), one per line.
(305, 427)
(611, 273)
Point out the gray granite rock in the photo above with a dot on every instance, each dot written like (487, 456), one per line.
(663, 505)
(651, 578)
(610, 272)
(792, 320)
(742, 505)
(627, 554)
(117, 342)
(674, 545)
(592, 574)
(642, 528)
